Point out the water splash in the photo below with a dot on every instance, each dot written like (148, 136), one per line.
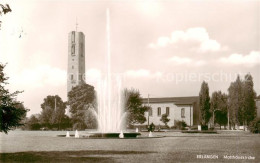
(121, 135)
(110, 115)
(150, 134)
(68, 134)
(76, 134)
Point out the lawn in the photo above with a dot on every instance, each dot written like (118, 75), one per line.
(45, 146)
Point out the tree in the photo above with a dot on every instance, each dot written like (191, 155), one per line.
(258, 97)
(4, 9)
(221, 117)
(151, 127)
(81, 98)
(11, 111)
(53, 111)
(165, 119)
(241, 101)
(236, 102)
(66, 122)
(134, 107)
(204, 102)
(218, 108)
(90, 120)
(249, 97)
(33, 123)
(254, 126)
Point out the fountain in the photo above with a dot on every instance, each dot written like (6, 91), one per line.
(110, 113)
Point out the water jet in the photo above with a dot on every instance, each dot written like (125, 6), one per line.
(68, 134)
(76, 134)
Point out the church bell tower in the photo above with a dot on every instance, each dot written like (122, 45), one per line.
(76, 59)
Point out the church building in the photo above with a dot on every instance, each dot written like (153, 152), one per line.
(177, 108)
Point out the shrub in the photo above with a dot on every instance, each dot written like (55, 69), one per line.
(165, 119)
(212, 128)
(162, 127)
(254, 126)
(151, 127)
(204, 127)
(194, 127)
(180, 124)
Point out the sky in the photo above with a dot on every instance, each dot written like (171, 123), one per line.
(162, 48)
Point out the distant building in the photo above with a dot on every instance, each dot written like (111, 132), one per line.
(257, 103)
(76, 59)
(178, 109)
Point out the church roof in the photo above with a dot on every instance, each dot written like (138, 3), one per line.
(176, 100)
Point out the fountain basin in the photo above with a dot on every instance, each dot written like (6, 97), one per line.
(113, 135)
(127, 135)
(105, 135)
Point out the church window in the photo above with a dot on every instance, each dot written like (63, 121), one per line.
(71, 77)
(72, 67)
(72, 49)
(80, 77)
(150, 112)
(81, 49)
(159, 111)
(73, 37)
(183, 112)
(167, 111)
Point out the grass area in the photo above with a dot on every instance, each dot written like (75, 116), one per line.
(45, 146)
(65, 156)
(123, 156)
(196, 131)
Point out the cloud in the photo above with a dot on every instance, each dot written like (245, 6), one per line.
(141, 73)
(198, 34)
(137, 73)
(209, 45)
(200, 63)
(180, 60)
(93, 75)
(186, 61)
(250, 59)
(39, 76)
(149, 8)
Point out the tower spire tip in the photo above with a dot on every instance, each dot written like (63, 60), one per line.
(76, 24)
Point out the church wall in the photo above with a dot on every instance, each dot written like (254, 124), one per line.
(174, 114)
(155, 118)
(188, 114)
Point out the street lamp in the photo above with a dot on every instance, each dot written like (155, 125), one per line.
(190, 117)
(148, 110)
(214, 117)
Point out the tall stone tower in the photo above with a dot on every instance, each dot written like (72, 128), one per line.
(76, 59)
